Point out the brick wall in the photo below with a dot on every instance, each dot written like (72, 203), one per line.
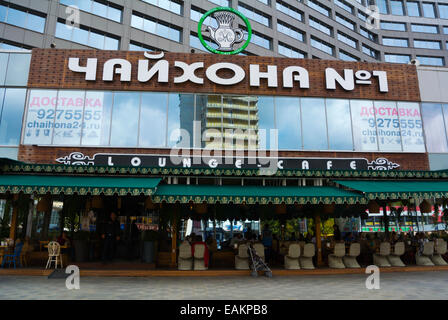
(49, 69)
(45, 155)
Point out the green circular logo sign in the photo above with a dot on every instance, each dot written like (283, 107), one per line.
(225, 35)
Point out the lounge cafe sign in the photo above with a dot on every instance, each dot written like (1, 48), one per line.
(154, 67)
(223, 162)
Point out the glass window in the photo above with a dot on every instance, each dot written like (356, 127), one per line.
(388, 126)
(413, 9)
(411, 127)
(125, 119)
(396, 7)
(96, 40)
(397, 58)
(288, 119)
(255, 15)
(11, 116)
(445, 30)
(319, 25)
(382, 6)
(318, 44)
(369, 51)
(318, 7)
(266, 122)
(40, 117)
(443, 11)
(428, 10)
(3, 67)
(347, 40)
(363, 123)
(289, 10)
(344, 5)
(80, 35)
(114, 14)
(339, 124)
(97, 116)
(314, 124)
(16, 17)
(222, 3)
(35, 23)
(174, 133)
(167, 5)
(345, 22)
(394, 26)
(99, 9)
(431, 61)
(427, 44)
(435, 132)
(395, 42)
(18, 68)
(153, 120)
(289, 30)
(424, 28)
(111, 43)
(346, 56)
(289, 51)
(157, 28)
(68, 118)
(367, 34)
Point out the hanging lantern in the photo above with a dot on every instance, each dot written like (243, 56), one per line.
(280, 209)
(97, 202)
(425, 206)
(45, 204)
(373, 207)
(201, 208)
(149, 205)
(329, 209)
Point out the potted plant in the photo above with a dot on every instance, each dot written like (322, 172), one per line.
(81, 245)
(149, 247)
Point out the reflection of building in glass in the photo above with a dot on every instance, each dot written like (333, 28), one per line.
(186, 114)
(230, 121)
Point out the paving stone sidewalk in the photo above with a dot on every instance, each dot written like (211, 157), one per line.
(427, 285)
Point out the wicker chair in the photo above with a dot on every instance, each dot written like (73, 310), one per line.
(353, 252)
(306, 259)
(242, 258)
(185, 259)
(54, 254)
(292, 258)
(425, 258)
(335, 259)
(440, 249)
(394, 258)
(381, 259)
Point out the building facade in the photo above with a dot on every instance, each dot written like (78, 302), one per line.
(348, 30)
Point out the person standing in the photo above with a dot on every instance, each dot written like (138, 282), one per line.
(267, 242)
(111, 234)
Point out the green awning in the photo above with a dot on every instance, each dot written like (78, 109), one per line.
(254, 194)
(75, 184)
(398, 189)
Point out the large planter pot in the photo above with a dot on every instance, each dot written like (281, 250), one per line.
(81, 250)
(149, 251)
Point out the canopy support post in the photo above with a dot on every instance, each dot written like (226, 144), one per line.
(318, 240)
(15, 213)
(173, 261)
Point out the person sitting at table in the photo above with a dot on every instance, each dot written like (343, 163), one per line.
(337, 233)
(349, 237)
(63, 239)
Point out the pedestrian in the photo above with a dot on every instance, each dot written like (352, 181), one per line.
(110, 235)
(267, 242)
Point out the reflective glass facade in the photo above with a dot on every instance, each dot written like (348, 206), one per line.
(121, 119)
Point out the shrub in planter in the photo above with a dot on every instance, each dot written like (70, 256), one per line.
(149, 245)
(81, 245)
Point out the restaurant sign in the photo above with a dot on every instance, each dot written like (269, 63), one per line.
(196, 72)
(215, 162)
